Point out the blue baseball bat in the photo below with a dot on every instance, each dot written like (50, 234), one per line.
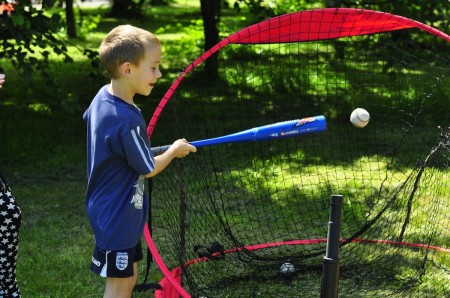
(278, 130)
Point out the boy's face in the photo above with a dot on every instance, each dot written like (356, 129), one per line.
(147, 73)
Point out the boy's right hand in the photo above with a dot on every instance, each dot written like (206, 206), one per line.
(181, 148)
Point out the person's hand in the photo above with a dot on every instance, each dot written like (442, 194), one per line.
(2, 79)
(181, 148)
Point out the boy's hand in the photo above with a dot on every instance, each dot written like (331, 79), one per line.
(180, 148)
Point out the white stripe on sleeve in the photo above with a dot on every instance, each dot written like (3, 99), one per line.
(146, 157)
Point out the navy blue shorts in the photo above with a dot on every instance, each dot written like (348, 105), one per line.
(116, 263)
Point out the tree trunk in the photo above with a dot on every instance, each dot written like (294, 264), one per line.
(120, 8)
(331, 3)
(210, 14)
(70, 17)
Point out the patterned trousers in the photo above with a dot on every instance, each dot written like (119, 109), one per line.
(10, 218)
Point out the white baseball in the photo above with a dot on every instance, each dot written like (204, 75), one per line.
(287, 268)
(360, 117)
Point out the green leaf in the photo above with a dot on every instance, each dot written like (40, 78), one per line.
(18, 20)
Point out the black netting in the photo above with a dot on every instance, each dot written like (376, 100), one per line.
(393, 174)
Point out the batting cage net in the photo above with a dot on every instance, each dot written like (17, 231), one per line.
(229, 216)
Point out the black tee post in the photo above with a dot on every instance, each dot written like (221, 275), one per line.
(330, 274)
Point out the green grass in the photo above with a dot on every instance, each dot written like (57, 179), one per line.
(55, 237)
(43, 156)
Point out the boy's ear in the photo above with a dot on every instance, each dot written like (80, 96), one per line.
(125, 68)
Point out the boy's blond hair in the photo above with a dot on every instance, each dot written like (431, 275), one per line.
(125, 43)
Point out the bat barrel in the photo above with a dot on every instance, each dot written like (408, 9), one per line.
(292, 128)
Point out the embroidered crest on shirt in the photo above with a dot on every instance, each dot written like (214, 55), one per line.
(138, 197)
(122, 260)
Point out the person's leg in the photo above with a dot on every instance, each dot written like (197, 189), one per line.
(121, 287)
(135, 276)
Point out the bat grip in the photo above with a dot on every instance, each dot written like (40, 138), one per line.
(160, 150)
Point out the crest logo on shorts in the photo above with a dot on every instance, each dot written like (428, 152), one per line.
(122, 260)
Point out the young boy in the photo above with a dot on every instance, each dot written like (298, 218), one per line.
(119, 156)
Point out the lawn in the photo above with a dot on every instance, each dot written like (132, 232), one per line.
(252, 190)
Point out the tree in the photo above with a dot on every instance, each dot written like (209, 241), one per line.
(211, 16)
(28, 37)
(126, 8)
(330, 3)
(70, 19)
